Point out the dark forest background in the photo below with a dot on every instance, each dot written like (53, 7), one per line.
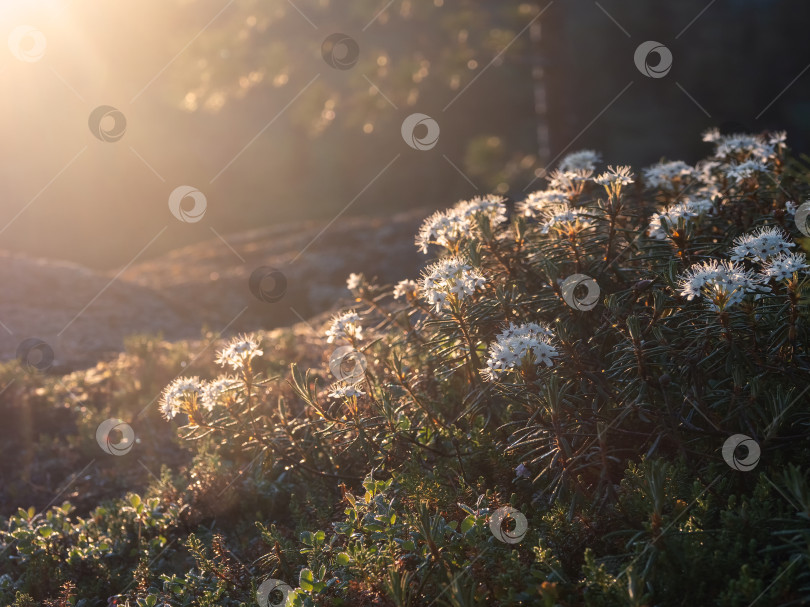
(199, 80)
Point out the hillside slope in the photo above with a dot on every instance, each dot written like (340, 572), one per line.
(85, 315)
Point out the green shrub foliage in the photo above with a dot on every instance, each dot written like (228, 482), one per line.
(547, 415)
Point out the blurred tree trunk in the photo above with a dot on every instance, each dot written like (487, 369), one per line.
(540, 96)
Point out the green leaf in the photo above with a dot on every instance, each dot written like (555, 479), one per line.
(306, 580)
(343, 559)
(468, 523)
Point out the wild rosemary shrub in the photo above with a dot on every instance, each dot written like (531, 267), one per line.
(598, 397)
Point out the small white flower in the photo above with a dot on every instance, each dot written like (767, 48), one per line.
(784, 265)
(761, 244)
(406, 289)
(167, 409)
(345, 391)
(354, 281)
(740, 147)
(526, 330)
(181, 391)
(213, 391)
(583, 159)
(570, 181)
(446, 228)
(724, 281)
(744, 170)
(687, 210)
(491, 206)
(562, 216)
(345, 326)
(707, 172)
(668, 175)
(538, 202)
(712, 135)
(615, 177)
(450, 276)
(790, 207)
(777, 138)
(442, 228)
(240, 352)
(530, 342)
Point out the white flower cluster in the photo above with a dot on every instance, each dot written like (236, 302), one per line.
(570, 181)
(614, 179)
(215, 390)
(707, 184)
(536, 203)
(179, 392)
(562, 216)
(761, 244)
(730, 281)
(739, 147)
(721, 281)
(185, 390)
(345, 390)
(345, 326)
(581, 160)
(240, 352)
(446, 228)
(443, 228)
(406, 289)
(354, 281)
(490, 205)
(530, 342)
(784, 265)
(450, 277)
(739, 172)
(668, 175)
(687, 210)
